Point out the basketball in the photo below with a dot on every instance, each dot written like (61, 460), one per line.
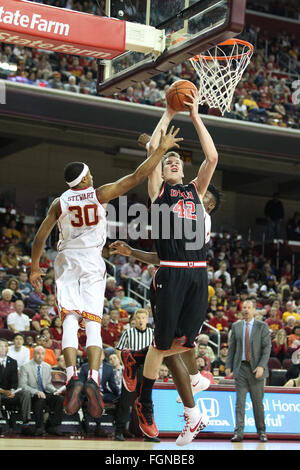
(178, 93)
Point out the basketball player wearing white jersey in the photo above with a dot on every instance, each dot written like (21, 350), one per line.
(79, 268)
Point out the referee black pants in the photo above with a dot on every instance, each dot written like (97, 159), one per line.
(122, 414)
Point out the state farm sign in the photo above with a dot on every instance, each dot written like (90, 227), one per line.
(35, 25)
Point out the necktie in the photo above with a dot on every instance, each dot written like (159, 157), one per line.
(247, 343)
(39, 377)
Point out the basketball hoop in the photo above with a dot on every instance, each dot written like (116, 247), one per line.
(219, 70)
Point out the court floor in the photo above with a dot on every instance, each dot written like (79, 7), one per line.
(18, 442)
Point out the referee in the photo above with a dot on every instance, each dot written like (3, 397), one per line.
(136, 338)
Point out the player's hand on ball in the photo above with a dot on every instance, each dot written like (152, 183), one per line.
(193, 103)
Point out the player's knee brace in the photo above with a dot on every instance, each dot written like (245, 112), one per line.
(70, 331)
(93, 333)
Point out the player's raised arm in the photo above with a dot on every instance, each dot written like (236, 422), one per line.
(155, 178)
(122, 248)
(40, 240)
(208, 167)
(110, 191)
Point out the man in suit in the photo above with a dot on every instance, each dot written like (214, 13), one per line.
(109, 389)
(9, 395)
(248, 355)
(35, 377)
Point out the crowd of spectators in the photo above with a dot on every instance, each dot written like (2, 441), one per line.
(237, 269)
(264, 94)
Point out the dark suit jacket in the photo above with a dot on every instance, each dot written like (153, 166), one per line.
(260, 347)
(107, 378)
(9, 376)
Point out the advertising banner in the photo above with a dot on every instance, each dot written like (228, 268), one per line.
(282, 411)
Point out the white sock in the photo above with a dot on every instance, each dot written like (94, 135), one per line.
(195, 378)
(191, 412)
(94, 374)
(71, 370)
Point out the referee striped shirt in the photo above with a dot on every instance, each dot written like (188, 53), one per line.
(135, 339)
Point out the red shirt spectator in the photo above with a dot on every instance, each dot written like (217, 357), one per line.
(219, 321)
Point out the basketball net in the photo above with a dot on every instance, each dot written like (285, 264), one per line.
(220, 69)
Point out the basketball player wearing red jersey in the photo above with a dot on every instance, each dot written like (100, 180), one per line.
(80, 273)
(181, 282)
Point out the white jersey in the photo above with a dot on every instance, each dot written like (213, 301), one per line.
(207, 224)
(82, 223)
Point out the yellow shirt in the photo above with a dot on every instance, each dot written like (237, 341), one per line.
(211, 292)
(286, 315)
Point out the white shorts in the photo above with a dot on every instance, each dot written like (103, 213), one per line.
(80, 277)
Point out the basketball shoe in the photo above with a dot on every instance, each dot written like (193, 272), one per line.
(194, 423)
(72, 401)
(145, 417)
(95, 405)
(129, 372)
(201, 384)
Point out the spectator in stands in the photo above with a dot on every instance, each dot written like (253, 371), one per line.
(115, 362)
(114, 323)
(163, 373)
(12, 230)
(220, 322)
(51, 343)
(240, 108)
(35, 377)
(222, 272)
(56, 328)
(127, 303)
(202, 352)
(279, 346)
(24, 286)
(269, 289)
(109, 335)
(204, 340)
(9, 259)
(290, 311)
(273, 322)
(61, 365)
(55, 82)
(17, 321)
(252, 286)
(51, 302)
(49, 355)
(116, 305)
(289, 325)
(41, 319)
(274, 212)
(71, 85)
(130, 270)
(294, 338)
(48, 285)
(13, 285)
(2, 279)
(110, 290)
(18, 351)
(219, 362)
(9, 384)
(36, 298)
(293, 227)
(231, 313)
(6, 305)
(293, 371)
(203, 369)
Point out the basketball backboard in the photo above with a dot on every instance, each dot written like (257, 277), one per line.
(190, 26)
